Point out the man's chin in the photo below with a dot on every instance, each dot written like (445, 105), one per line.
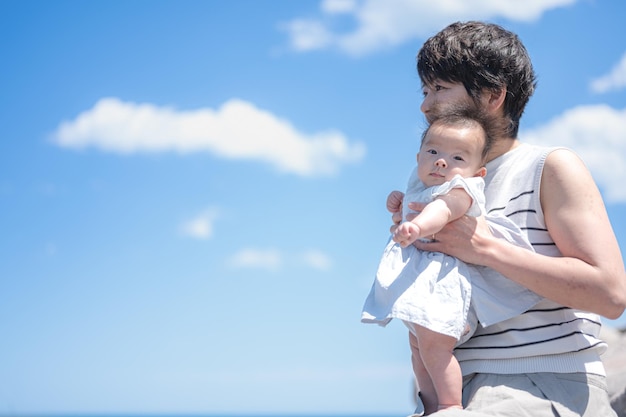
(439, 110)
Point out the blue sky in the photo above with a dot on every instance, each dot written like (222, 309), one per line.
(193, 192)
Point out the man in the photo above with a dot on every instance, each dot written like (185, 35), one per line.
(545, 362)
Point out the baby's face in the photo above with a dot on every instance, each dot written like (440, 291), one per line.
(447, 151)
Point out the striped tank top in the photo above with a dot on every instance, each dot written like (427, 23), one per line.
(549, 337)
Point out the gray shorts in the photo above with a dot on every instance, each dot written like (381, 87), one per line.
(533, 395)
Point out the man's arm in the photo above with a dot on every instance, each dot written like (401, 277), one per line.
(589, 276)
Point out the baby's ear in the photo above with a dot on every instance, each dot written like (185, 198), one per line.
(481, 172)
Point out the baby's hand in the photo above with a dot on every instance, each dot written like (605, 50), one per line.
(394, 201)
(406, 233)
(394, 205)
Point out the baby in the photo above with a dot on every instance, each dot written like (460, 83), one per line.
(440, 298)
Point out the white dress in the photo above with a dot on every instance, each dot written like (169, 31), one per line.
(435, 290)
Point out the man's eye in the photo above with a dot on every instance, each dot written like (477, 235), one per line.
(439, 87)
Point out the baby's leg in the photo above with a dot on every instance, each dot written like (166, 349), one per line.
(435, 350)
(426, 388)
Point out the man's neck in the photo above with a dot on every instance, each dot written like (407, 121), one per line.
(502, 146)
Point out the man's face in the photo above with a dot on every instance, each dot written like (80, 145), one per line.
(441, 95)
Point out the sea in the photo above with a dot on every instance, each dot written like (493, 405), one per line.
(192, 415)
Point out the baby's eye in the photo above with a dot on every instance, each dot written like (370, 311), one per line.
(459, 158)
(432, 151)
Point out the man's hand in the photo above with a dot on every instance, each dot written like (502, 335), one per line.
(461, 238)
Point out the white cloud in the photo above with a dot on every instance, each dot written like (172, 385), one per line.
(381, 24)
(274, 259)
(237, 130)
(338, 6)
(317, 259)
(200, 226)
(596, 133)
(270, 259)
(614, 80)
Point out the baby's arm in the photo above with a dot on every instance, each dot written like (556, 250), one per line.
(434, 217)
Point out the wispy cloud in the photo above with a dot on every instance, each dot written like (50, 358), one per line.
(614, 80)
(237, 130)
(201, 225)
(275, 259)
(51, 249)
(316, 259)
(597, 134)
(379, 24)
(268, 259)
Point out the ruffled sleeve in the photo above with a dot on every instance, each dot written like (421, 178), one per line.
(475, 188)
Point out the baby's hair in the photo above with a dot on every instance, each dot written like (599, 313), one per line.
(468, 116)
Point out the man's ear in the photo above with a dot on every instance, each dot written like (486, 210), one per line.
(493, 99)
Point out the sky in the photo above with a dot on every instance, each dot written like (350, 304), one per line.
(193, 192)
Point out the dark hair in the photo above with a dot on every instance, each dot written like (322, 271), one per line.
(481, 56)
(466, 116)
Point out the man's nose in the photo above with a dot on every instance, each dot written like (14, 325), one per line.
(426, 105)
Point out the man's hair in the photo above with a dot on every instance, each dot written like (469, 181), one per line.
(481, 56)
(468, 117)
